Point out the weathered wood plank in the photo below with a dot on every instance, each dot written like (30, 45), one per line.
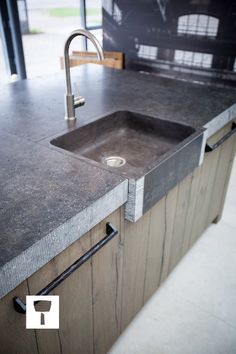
(106, 269)
(111, 60)
(14, 337)
(180, 221)
(155, 246)
(76, 320)
(197, 227)
(135, 252)
(228, 156)
(170, 210)
(187, 243)
(207, 178)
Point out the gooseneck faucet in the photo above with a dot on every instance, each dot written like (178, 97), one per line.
(72, 102)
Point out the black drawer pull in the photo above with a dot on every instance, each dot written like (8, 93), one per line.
(20, 306)
(212, 147)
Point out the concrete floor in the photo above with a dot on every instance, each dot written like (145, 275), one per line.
(194, 312)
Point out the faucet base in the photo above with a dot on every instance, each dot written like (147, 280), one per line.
(69, 107)
(70, 118)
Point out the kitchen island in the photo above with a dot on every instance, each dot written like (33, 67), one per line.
(55, 206)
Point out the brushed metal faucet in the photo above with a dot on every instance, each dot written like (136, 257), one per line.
(72, 102)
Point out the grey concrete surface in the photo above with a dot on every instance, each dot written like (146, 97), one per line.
(48, 201)
(194, 312)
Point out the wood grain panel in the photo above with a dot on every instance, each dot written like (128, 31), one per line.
(14, 337)
(76, 320)
(226, 158)
(113, 60)
(180, 221)
(187, 242)
(106, 270)
(208, 176)
(170, 211)
(135, 252)
(155, 239)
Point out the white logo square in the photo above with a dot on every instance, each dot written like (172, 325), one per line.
(42, 311)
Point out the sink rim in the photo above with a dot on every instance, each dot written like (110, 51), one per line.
(147, 188)
(161, 159)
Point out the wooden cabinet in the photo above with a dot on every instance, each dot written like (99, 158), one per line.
(90, 301)
(101, 297)
(156, 243)
(89, 298)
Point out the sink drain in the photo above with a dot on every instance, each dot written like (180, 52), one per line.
(114, 161)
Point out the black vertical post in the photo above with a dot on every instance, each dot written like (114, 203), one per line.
(225, 32)
(6, 36)
(83, 19)
(16, 37)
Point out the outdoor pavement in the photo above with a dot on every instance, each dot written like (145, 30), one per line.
(43, 50)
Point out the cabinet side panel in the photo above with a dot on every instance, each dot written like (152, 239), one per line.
(226, 158)
(207, 179)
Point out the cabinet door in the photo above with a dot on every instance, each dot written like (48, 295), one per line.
(75, 334)
(223, 171)
(89, 297)
(90, 300)
(213, 183)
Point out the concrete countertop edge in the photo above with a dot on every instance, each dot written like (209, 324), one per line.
(214, 125)
(17, 270)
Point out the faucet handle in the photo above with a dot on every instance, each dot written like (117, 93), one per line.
(79, 101)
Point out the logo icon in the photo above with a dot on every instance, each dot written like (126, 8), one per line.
(42, 311)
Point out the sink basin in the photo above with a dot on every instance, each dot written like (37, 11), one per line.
(134, 145)
(139, 140)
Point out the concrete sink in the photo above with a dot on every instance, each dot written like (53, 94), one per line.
(154, 154)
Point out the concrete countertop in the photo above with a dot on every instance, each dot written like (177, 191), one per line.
(49, 199)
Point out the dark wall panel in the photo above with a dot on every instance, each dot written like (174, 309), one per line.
(147, 31)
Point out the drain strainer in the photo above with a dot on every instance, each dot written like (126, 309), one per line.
(114, 161)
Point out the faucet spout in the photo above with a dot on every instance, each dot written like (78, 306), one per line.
(72, 102)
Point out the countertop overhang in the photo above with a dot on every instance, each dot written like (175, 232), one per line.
(49, 199)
